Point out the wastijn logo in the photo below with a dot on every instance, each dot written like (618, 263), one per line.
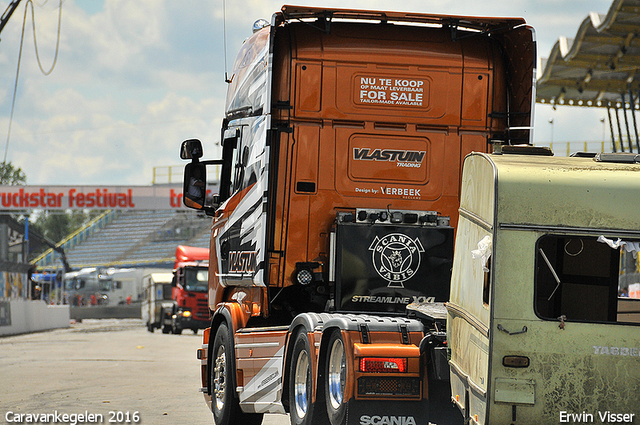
(396, 258)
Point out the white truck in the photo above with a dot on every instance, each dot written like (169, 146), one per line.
(87, 286)
(537, 331)
(126, 283)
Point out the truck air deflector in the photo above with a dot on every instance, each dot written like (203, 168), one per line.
(479, 24)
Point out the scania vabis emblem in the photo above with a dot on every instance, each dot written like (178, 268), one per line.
(396, 258)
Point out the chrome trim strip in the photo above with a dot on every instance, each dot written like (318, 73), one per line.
(476, 219)
(568, 229)
(456, 310)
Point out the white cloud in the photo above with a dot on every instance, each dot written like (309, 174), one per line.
(134, 79)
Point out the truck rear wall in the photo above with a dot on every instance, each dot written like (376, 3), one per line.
(381, 117)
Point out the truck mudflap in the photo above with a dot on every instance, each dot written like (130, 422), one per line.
(437, 411)
(396, 264)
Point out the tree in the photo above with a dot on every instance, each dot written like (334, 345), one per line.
(56, 225)
(10, 175)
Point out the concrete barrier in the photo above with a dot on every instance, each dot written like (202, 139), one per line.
(24, 316)
(131, 311)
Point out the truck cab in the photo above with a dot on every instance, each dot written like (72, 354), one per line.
(189, 288)
(342, 144)
(87, 286)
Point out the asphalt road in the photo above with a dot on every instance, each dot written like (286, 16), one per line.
(114, 368)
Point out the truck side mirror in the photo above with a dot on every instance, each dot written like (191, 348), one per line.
(195, 185)
(194, 188)
(191, 149)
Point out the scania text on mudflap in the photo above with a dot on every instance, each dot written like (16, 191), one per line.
(332, 236)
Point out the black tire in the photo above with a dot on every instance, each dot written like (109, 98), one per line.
(224, 404)
(175, 329)
(163, 325)
(150, 327)
(335, 376)
(301, 409)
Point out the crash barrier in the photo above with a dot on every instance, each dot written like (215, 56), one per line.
(129, 311)
(25, 316)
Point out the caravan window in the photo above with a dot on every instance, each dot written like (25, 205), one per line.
(586, 279)
(167, 290)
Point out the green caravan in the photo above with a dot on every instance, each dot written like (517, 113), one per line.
(540, 327)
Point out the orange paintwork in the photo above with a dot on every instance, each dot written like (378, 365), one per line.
(463, 85)
(385, 350)
(202, 355)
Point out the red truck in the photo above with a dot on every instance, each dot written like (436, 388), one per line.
(342, 149)
(190, 290)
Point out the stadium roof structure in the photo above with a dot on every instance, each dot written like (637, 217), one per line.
(600, 67)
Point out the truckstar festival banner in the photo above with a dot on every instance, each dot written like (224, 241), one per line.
(158, 197)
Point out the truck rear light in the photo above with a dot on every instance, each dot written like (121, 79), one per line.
(383, 364)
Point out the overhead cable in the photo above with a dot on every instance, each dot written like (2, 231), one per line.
(35, 42)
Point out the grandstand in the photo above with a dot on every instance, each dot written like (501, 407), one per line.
(134, 238)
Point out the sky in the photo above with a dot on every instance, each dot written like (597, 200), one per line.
(134, 78)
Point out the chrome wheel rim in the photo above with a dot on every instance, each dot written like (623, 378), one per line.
(336, 374)
(300, 396)
(219, 384)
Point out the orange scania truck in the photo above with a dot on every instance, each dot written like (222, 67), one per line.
(332, 236)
